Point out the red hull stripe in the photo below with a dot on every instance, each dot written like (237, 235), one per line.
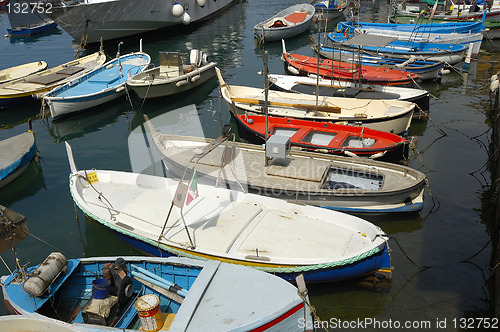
(279, 319)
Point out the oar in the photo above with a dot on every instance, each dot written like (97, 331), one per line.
(320, 108)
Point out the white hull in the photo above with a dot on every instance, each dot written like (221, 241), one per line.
(150, 85)
(111, 19)
(445, 38)
(60, 108)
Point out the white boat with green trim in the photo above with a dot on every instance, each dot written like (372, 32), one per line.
(161, 216)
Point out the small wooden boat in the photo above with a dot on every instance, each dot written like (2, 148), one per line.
(327, 137)
(334, 88)
(149, 293)
(299, 64)
(172, 77)
(423, 36)
(12, 73)
(24, 89)
(34, 323)
(27, 30)
(99, 86)
(323, 180)
(390, 46)
(15, 155)
(328, 10)
(392, 116)
(287, 23)
(208, 222)
(425, 69)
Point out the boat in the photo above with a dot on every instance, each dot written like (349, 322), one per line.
(304, 65)
(326, 137)
(359, 185)
(425, 69)
(172, 76)
(149, 293)
(27, 30)
(328, 10)
(287, 23)
(12, 73)
(208, 222)
(419, 36)
(390, 46)
(15, 155)
(99, 86)
(335, 88)
(461, 11)
(22, 90)
(34, 323)
(392, 116)
(112, 19)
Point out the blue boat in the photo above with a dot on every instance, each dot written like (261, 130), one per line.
(32, 28)
(387, 46)
(176, 294)
(427, 70)
(15, 155)
(101, 85)
(434, 27)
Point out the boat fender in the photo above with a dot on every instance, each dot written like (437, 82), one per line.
(120, 89)
(494, 86)
(201, 3)
(181, 83)
(177, 10)
(378, 155)
(350, 154)
(250, 121)
(494, 77)
(109, 66)
(195, 78)
(293, 70)
(204, 59)
(444, 72)
(45, 274)
(186, 19)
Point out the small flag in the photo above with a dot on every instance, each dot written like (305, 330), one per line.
(193, 189)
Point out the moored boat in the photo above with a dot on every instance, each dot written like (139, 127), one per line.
(335, 88)
(328, 10)
(24, 89)
(99, 86)
(30, 29)
(112, 19)
(15, 155)
(287, 23)
(12, 73)
(208, 222)
(323, 180)
(172, 76)
(392, 116)
(299, 64)
(149, 293)
(326, 137)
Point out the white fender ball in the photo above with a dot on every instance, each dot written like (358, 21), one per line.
(186, 19)
(177, 10)
(201, 3)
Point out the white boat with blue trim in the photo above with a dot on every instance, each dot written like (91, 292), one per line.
(99, 86)
(15, 155)
(162, 216)
(149, 293)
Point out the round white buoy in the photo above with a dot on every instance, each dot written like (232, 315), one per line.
(177, 10)
(494, 78)
(186, 19)
(201, 3)
(250, 121)
(494, 85)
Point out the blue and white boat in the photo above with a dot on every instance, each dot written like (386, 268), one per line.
(149, 293)
(15, 155)
(390, 46)
(32, 28)
(427, 70)
(99, 86)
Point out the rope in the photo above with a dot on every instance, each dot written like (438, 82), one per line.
(312, 309)
(83, 41)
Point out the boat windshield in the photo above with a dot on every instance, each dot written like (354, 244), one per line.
(342, 178)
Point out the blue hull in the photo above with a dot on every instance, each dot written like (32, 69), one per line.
(25, 32)
(372, 264)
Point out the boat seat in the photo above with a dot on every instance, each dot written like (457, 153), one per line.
(48, 79)
(107, 82)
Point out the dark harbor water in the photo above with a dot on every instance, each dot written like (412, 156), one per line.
(440, 256)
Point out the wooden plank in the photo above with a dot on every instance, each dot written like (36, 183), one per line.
(319, 108)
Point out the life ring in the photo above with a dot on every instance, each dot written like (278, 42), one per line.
(339, 28)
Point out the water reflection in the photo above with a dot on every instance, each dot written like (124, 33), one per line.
(26, 185)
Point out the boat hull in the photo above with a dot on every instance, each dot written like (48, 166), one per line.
(16, 154)
(120, 18)
(157, 87)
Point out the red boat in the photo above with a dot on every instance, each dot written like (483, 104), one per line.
(326, 136)
(304, 65)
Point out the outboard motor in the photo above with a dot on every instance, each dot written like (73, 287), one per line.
(121, 282)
